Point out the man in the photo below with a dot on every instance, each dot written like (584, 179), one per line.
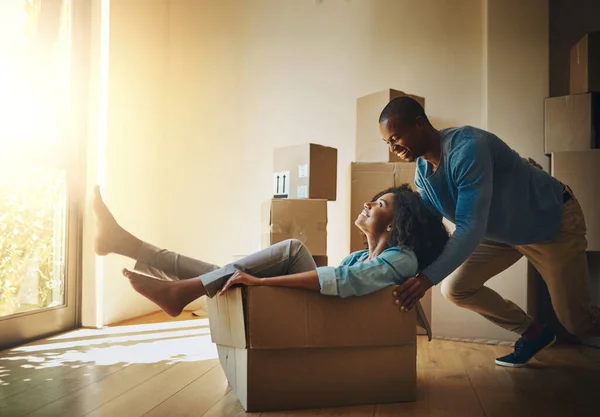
(503, 208)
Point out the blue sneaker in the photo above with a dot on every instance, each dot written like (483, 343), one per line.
(525, 350)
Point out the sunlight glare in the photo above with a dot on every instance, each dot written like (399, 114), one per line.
(134, 328)
(190, 349)
(33, 88)
(122, 339)
(153, 343)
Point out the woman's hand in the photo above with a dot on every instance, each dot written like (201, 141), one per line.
(242, 278)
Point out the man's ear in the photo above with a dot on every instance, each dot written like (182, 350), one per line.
(420, 122)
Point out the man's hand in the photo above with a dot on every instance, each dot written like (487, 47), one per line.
(242, 278)
(410, 291)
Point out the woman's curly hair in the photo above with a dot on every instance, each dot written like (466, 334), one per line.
(415, 226)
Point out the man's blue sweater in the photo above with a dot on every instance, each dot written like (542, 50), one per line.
(488, 191)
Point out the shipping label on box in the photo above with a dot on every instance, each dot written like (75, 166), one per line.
(281, 184)
(302, 219)
(370, 146)
(308, 171)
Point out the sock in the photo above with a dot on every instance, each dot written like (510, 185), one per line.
(533, 332)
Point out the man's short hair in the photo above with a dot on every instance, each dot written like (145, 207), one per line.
(406, 108)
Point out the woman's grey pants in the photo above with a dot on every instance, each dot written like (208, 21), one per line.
(283, 258)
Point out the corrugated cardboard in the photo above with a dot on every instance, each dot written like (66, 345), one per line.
(285, 349)
(369, 143)
(268, 380)
(305, 171)
(580, 171)
(302, 219)
(585, 65)
(367, 179)
(571, 123)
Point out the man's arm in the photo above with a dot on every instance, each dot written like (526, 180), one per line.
(472, 170)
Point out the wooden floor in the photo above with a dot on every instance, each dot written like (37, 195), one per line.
(154, 368)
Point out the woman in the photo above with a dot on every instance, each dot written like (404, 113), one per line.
(402, 237)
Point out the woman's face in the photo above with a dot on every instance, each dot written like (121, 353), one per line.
(376, 216)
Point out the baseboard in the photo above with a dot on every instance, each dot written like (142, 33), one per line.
(478, 341)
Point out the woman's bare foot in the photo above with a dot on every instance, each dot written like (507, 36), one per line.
(108, 231)
(110, 236)
(170, 296)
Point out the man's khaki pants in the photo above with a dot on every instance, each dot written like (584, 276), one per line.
(562, 263)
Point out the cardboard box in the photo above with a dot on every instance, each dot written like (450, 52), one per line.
(585, 65)
(320, 260)
(367, 179)
(289, 349)
(302, 219)
(571, 123)
(369, 143)
(305, 171)
(580, 170)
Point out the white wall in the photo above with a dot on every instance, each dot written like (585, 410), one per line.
(202, 90)
(136, 138)
(129, 140)
(245, 77)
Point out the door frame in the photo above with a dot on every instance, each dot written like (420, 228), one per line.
(24, 327)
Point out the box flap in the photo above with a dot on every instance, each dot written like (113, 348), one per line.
(226, 319)
(422, 320)
(279, 318)
(234, 362)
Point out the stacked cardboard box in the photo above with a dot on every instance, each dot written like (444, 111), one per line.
(585, 65)
(572, 139)
(304, 179)
(287, 349)
(305, 171)
(369, 146)
(572, 132)
(376, 168)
